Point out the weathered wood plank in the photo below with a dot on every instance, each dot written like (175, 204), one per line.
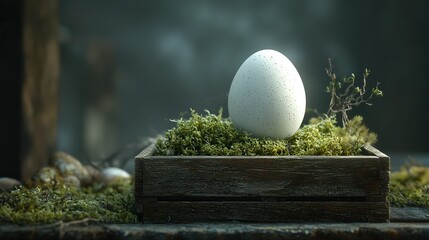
(224, 231)
(266, 176)
(181, 212)
(409, 214)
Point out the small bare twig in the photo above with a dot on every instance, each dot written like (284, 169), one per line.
(352, 96)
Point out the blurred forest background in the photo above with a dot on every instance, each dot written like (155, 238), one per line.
(127, 67)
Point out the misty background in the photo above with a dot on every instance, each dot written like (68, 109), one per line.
(127, 67)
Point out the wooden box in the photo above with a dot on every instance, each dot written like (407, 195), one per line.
(183, 189)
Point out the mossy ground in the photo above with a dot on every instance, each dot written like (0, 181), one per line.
(48, 204)
(410, 186)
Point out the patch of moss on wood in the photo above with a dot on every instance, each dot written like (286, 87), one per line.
(210, 135)
(410, 187)
(48, 204)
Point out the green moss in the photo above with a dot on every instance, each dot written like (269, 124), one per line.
(207, 134)
(210, 135)
(410, 187)
(47, 204)
(323, 137)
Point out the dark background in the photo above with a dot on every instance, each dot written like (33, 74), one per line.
(129, 66)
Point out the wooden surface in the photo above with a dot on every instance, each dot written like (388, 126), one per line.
(300, 211)
(409, 214)
(29, 65)
(262, 188)
(359, 231)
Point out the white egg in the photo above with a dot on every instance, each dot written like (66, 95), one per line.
(267, 96)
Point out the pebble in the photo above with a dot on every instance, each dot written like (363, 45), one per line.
(9, 184)
(94, 173)
(113, 175)
(72, 181)
(67, 165)
(46, 175)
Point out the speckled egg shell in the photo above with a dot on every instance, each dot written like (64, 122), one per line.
(267, 96)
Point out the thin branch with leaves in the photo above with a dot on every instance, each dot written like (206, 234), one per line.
(346, 94)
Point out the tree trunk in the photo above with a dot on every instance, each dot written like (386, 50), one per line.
(29, 65)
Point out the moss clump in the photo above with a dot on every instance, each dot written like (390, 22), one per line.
(48, 204)
(410, 187)
(209, 135)
(323, 137)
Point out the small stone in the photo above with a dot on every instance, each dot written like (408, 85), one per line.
(9, 184)
(113, 175)
(72, 181)
(46, 175)
(93, 172)
(68, 165)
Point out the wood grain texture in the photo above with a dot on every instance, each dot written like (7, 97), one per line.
(221, 231)
(182, 212)
(40, 84)
(29, 64)
(285, 188)
(261, 176)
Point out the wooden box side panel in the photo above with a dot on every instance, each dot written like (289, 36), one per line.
(183, 212)
(213, 189)
(260, 176)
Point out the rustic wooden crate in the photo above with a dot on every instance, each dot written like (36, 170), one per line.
(182, 189)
